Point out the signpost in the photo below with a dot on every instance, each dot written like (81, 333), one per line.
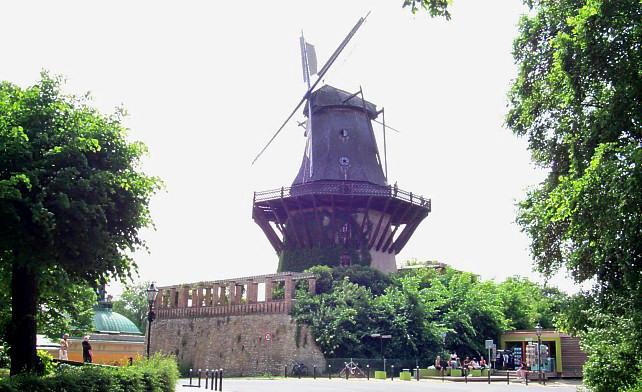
(489, 346)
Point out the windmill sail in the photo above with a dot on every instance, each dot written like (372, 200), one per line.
(309, 60)
(325, 68)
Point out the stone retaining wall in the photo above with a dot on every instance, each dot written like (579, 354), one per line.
(236, 343)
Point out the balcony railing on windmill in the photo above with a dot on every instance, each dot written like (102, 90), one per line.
(343, 189)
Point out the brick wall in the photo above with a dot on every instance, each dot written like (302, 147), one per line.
(236, 343)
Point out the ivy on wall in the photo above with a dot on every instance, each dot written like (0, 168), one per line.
(327, 241)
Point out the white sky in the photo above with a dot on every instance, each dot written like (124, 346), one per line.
(207, 84)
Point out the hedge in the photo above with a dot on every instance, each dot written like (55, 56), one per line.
(157, 374)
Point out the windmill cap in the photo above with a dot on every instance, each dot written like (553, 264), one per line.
(328, 96)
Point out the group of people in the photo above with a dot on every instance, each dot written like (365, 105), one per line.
(63, 352)
(456, 363)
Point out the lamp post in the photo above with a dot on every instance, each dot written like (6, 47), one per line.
(152, 292)
(538, 331)
(381, 338)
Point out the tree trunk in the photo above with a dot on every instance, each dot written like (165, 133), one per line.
(24, 307)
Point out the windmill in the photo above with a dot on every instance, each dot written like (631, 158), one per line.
(340, 208)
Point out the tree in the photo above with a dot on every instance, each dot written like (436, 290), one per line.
(71, 200)
(67, 310)
(578, 100)
(133, 304)
(434, 7)
(526, 303)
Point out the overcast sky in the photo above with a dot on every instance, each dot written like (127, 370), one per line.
(208, 83)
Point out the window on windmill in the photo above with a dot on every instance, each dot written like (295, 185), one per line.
(344, 161)
(344, 133)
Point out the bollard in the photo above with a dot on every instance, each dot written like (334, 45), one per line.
(215, 382)
(285, 372)
(190, 377)
(329, 372)
(443, 375)
(526, 378)
(207, 376)
(417, 372)
(392, 372)
(466, 375)
(368, 371)
(300, 371)
(347, 371)
(314, 372)
(199, 378)
(507, 377)
(488, 372)
(220, 383)
(544, 377)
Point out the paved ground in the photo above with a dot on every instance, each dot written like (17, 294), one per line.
(341, 385)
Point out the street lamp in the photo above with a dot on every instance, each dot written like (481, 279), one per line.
(381, 338)
(538, 331)
(152, 292)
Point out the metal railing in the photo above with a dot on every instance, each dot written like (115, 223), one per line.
(341, 189)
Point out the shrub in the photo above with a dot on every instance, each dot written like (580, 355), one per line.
(157, 374)
(44, 363)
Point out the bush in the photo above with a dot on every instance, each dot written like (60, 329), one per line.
(157, 374)
(44, 363)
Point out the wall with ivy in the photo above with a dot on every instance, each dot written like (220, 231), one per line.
(330, 249)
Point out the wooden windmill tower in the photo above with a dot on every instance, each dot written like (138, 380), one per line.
(340, 208)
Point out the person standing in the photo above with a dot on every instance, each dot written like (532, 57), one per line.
(87, 355)
(454, 359)
(64, 348)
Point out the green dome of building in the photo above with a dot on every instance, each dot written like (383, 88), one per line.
(108, 321)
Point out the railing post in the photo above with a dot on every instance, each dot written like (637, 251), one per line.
(207, 377)
(215, 383)
(190, 377)
(220, 383)
(199, 378)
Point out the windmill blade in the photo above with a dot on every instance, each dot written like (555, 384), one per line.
(283, 125)
(323, 71)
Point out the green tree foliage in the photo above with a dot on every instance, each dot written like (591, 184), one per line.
(132, 303)
(525, 303)
(415, 307)
(72, 201)
(434, 7)
(578, 101)
(472, 311)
